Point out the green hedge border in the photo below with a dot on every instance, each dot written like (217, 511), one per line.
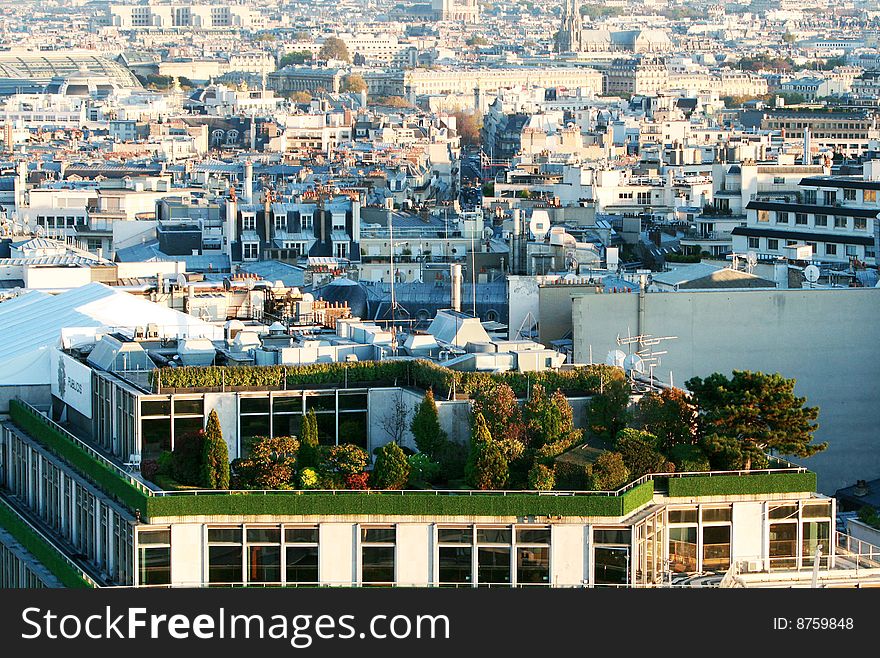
(409, 504)
(732, 485)
(92, 469)
(42, 551)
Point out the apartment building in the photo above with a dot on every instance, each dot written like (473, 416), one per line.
(849, 132)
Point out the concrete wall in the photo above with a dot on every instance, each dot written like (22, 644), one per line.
(187, 557)
(226, 406)
(414, 551)
(826, 339)
(569, 548)
(338, 553)
(39, 396)
(747, 545)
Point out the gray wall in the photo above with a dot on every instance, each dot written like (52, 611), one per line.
(826, 339)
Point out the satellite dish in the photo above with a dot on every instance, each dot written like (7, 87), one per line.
(634, 363)
(539, 224)
(181, 280)
(615, 358)
(811, 273)
(488, 233)
(752, 258)
(308, 297)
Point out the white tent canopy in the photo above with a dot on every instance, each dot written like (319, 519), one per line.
(32, 324)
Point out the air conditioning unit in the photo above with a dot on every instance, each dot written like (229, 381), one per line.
(152, 330)
(753, 566)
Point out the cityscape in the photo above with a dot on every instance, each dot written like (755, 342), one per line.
(439, 294)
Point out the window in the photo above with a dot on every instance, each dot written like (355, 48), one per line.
(829, 198)
(782, 218)
(809, 196)
(377, 555)
(154, 557)
(821, 220)
(839, 222)
(754, 243)
(455, 556)
(493, 556)
(253, 421)
(224, 555)
(533, 556)
(800, 218)
(611, 559)
(250, 250)
(849, 195)
(870, 196)
(852, 250)
(249, 222)
(830, 249)
(264, 555)
(772, 244)
(280, 223)
(860, 223)
(341, 250)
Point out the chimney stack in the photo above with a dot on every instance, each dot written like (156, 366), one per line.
(455, 272)
(248, 181)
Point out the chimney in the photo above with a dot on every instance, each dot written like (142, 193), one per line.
(455, 272)
(248, 181)
(356, 219)
(229, 226)
(780, 272)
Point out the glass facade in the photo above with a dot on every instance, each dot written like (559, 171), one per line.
(154, 557)
(611, 556)
(377, 554)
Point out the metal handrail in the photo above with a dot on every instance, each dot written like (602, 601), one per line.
(61, 554)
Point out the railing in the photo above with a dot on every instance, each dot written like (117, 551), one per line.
(861, 553)
(89, 450)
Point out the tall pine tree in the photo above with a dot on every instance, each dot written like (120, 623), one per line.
(216, 455)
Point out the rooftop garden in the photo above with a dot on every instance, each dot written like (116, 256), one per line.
(418, 373)
(524, 458)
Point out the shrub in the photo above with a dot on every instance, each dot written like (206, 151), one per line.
(607, 414)
(358, 481)
(271, 465)
(346, 459)
(216, 456)
(689, 458)
(392, 468)
(308, 478)
(639, 452)
(187, 461)
(486, 467)
(425, 427)
(149, 468)
(165, 463)
(309, 451)
(572, 476)
(422, 469)
(609, 472)
(541, 478)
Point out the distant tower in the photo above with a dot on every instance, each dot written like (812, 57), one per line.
(572, 28)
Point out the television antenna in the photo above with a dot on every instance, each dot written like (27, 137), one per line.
(641, 353)
(751, 261)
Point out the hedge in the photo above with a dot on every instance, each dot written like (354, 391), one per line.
(420, 373)
(86, 465)
(408, 504)
(732, 485)
(44, 553)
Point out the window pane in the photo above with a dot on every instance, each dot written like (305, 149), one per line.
(716, 547)
(683, 515)
(155, 437)
(224, 564)
(455, 535)
(683, 549)
(321, 402)
(377, 564)
(455, 564)
(264, 564)
(353, 428)
(814, 534)
(783, 544)
(617, 536)
(186, 426)
(717, 514)
(301, 535)
(784, 512)
(154, 537)
(291, 404)
(533, 565)
(493, 565)
(302, 564)
(252, 426)
(254, 405)
(225, 535)
(352, 401)
(286, 424)
(155, 407)
(611, 566)
(377, 535)
(533, 536)
(493, 535)
(189, 407)
(816, 510)
(264, 535)
(155, 566)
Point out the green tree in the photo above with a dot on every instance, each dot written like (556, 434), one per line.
(608, 410)
(758, 411)
(486, 467)
(671, 416)
(187, 460)
(501, 411)
(541, 477)
(354, 82)
(334, 48)
(689, 459)
(309, 450)
(639, 452)
(609, 472)
(271, 464)
(392, 469)
(216, 455)
(476, 40)
(392, 101)
(422, 469)
(425, 427)
(788, 37)
(295, 58)
(346, 459)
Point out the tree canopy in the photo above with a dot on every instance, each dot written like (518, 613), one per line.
(354, 82)
(295, 58)
(334, 48)
(752, 412)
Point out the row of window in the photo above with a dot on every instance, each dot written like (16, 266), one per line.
(819, 220)
(15, 572)
(830, 248)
